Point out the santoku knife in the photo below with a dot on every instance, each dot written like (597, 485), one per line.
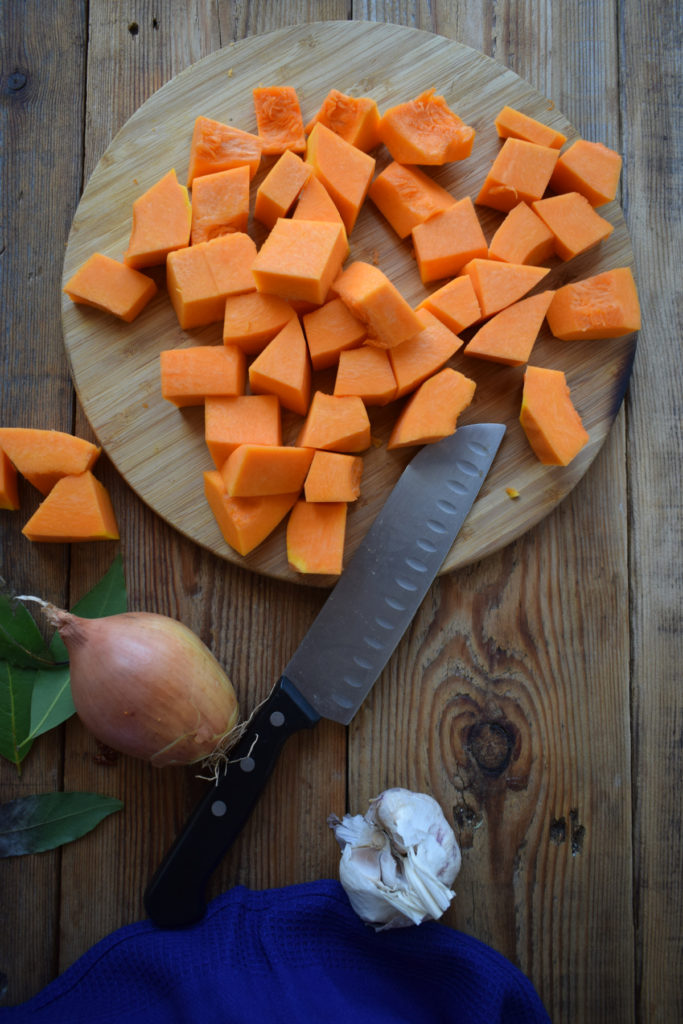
(341, 656)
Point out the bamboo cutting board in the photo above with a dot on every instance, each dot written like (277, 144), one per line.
(160, 449)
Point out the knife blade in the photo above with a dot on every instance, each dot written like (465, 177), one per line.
(341, 656)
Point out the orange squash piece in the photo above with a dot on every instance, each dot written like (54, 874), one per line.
(162, 219)
(603, 306)
(218, 147)
(333, 476)
(406, 197)
(315, 203)
(455, 304)
(278, 191)
(376, 300)
(432, 411)
(9, 487)
(188, 375)
(337, 423)
(355, 119)
(241, 419)
(575, 225)
(509, 336)
(45, 456)
(498, 285)
(220, 204)
(418, 358)
(78, 508)
(425, 131)
(253, 319)
(253, 470)
(330, 329)
(345, 171)
(522, 237)
(367, 372)
(284, 369)
(111, 286)
(278, 120)
(316, 532)
(245, 522)
(552, 425)
(589, 168)
(448, 240)
(512, 123)
(520, 173)
(299, 260)
(200, 278)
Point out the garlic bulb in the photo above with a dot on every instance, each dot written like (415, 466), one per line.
(398, 860)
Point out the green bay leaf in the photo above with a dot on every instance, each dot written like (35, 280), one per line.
(33, 824)
(16, 687)
(51, 701)
(21, 642)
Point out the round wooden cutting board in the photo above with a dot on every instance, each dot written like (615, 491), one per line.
(159, 449)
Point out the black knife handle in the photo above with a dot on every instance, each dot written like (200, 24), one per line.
(175, 895)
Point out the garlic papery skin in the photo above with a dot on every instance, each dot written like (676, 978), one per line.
(399, 860)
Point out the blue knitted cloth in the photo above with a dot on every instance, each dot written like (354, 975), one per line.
(296, 954)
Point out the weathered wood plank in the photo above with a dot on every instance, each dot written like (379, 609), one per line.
(651, 41)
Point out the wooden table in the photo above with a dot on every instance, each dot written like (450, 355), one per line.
(565, 646)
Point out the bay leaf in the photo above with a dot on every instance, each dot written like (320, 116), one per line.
(16, 687)
(108, 597)
(21, 642)
(51, 701)
(33, 824)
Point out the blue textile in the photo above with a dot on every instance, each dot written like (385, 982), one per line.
(296, 954)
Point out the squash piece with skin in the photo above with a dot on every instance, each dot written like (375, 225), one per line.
(367, 372)
(242, 419)
(201, 277)
(548, 417)
(162, 221)
(283, 368)
(300, 259)
(425, 131)
(512, 123)
(520, 173)
(376, 300)
(188, 375)
(220, 204)
(334, 476)
(218, 147)
(602, 306)
(253, 470)
(45, 456)
(9, 488)
(509, 336)
(278, 120)
(337, 423)
(406, 197)
(77, 509)
(345, 171)
(245, 522)
(315, 537)
(355, 119)
(110, 286)
(447, 241)
(432, 411)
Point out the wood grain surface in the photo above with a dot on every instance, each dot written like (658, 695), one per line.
(160, 451)
(536, 695)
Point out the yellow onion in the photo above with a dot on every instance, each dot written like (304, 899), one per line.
(145, 685)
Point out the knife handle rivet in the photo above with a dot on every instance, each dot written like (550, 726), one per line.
(247, 764)
(277, 719)
(219, 808)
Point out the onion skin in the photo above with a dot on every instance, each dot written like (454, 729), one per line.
(146, 685)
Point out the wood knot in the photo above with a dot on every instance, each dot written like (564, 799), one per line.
(491, 745)
(16, 81)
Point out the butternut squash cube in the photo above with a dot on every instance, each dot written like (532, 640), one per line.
(245, 522)
(300, 259)
(201, 277)
(44, 456)
(432, 411)
(77, 509)
(220, 204)
(218, 147)
(520, 172)
(188, 375)
(316, 533)
(113, 287)
(345, 171)
(551, 423)
(240, 419)
(162, 220)
(9, 488)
